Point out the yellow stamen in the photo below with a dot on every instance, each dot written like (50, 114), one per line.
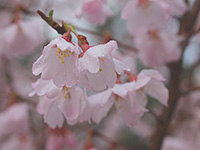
(65, 92)
(119, 102)
(142, 94)
(102, 59)
(62, 54)
(100, 69)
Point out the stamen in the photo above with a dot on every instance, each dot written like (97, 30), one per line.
(100, 69)
(142, 94)
(62, 54)
(62, 59)
(65, 92)
(102, 59)
(119, 102)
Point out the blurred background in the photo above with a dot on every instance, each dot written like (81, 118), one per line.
(23, 34)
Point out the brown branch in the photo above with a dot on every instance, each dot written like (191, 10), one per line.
(186, 26)
(52, 23)
(189, 91)
(61, 30)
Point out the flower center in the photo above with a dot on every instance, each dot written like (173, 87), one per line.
(66, 93)
(102, 59)
(143, 4)
(62, 54)
(119, 101)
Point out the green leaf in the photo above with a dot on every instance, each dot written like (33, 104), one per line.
(51, 13)
(73, 27)
(67, 26)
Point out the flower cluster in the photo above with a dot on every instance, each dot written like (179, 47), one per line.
(147, 20)
(68, 70)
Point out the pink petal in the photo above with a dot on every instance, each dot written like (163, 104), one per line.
(100, 104)
(71, 106)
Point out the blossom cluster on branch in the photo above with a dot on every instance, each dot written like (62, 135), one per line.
(68, 70)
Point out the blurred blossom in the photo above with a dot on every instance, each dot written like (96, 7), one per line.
(160, 47)
(144, 15)
(14, 120)
(173, 143)
(21, 37)
(20, 141)
(59, 139)
(94, 11)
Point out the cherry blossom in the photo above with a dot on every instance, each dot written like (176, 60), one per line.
(86, 94)
(160, 47)
(59, 62)
(144, 15)
(43, 87)
(98, 67)
(174, 143)
(16, 38)
(150, 82)
(127, 59)
(59, 103)
(60, 138)
(175, 7)
(14, 120)
(127, 105)
(130, 98)
(52, 115)
(94, 11)
(19, 141)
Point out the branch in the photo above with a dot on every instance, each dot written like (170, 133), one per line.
(187, 23)
(190, 90)
(49, 20)
(61, 30)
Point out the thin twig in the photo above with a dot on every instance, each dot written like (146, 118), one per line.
(61, 30)
(189, 91)
(52, 23)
